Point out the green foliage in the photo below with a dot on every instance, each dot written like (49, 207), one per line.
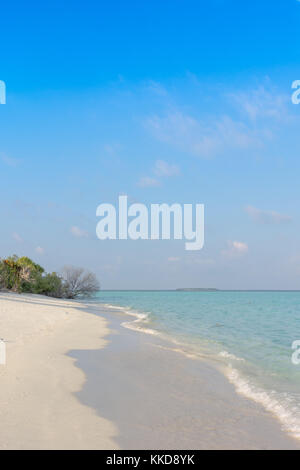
(50, 284)
(28, 263)
(10, 273)
(19, 274)
(23, 275)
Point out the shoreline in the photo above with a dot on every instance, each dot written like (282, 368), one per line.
(269, 400)
(281, 411)
(159, 398)
(76, 378)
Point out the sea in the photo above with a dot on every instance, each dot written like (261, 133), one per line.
(247, 335)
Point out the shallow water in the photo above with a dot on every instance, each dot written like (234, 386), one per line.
(249, 334)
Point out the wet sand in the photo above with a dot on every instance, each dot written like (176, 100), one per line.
(160, 399)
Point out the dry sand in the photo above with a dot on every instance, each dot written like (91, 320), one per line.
(38, 408)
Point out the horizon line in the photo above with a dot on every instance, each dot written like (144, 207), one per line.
(199, 290)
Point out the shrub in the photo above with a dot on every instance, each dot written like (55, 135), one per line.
(79, 282)
(11, 273)
(50, 284)
(23, 275)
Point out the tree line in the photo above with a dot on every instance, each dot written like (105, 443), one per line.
(25, 276)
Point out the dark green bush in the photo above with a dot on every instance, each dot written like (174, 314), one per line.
(23, 275)
(50, 284)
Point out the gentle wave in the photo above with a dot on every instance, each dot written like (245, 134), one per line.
(227, 355)
(138, 324)
(280, 405)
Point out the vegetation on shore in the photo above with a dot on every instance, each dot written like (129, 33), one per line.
(23, 275)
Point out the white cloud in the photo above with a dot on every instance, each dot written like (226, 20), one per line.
(17, 237)
(148, 182)
(267, 217)
(235, 248)
(244, 119)
(9, 161)
(193, 136)
(78, 232)
(262, 102)
(161, 169)
(164, 169)
(40, 250)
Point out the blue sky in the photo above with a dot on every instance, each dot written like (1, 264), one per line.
(170, 101)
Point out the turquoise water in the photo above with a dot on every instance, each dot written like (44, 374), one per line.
(249, 334)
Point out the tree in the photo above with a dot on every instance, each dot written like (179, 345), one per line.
(18, 274)
(23, 275)
(50, 284)
(10, 273)
(78, 282)
(30, 272)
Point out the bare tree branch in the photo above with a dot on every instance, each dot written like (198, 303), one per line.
(79, 282)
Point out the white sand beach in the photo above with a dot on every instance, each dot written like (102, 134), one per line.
(75, 378)
(38, 409)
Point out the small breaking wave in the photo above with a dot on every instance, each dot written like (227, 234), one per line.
(227, 355)
(140, 322)
(282, 405)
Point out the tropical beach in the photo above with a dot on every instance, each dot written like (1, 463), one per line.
(76, 378)
(149, 237)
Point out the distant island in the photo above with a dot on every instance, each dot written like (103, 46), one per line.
(197, 289)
